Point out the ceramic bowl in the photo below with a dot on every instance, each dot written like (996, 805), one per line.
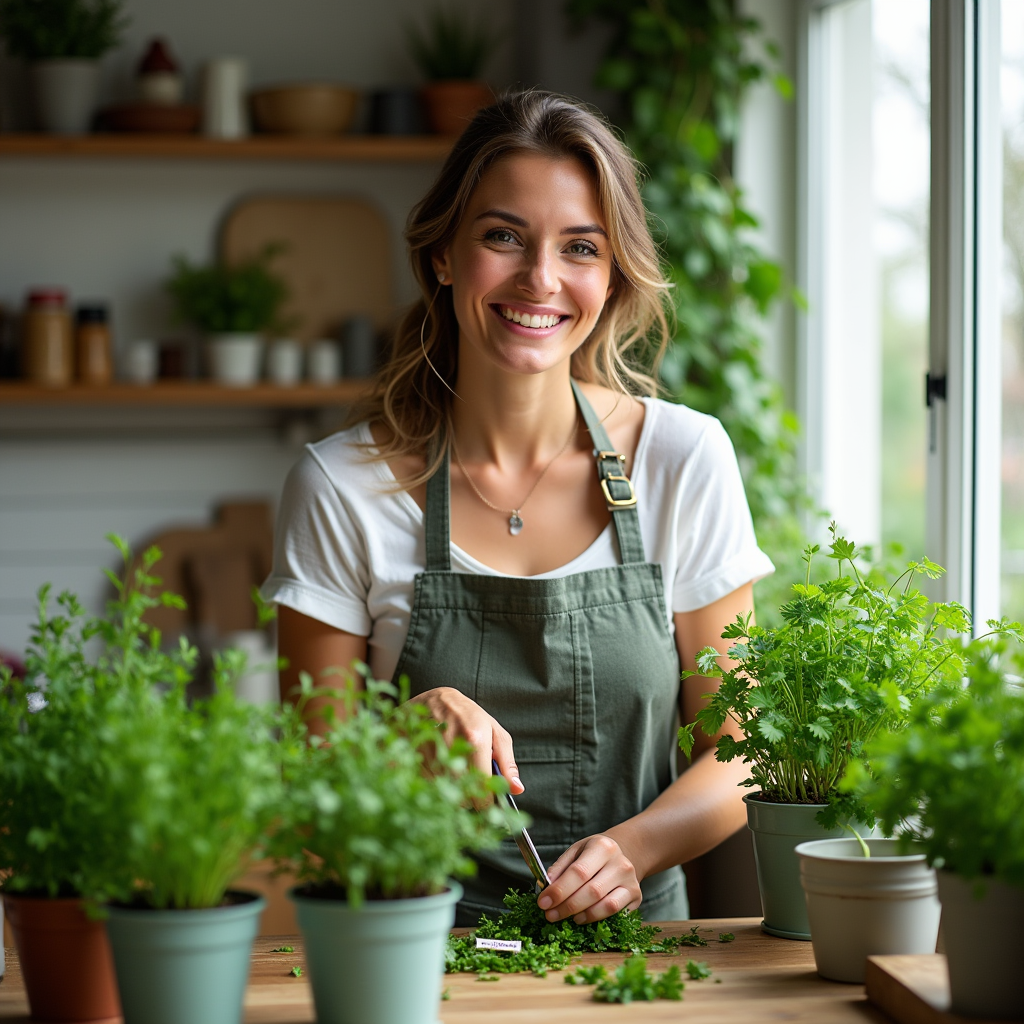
(309, 109)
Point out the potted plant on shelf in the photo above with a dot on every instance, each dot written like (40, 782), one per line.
(233, 306)
(379, 817)
(952, 784)
(63, 41)
(62, 836)
(849, 660)
(450, 52)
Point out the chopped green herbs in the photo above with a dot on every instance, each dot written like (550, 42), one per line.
(487, 977)
(584, 975)
(446, 995)
(551, 946)
(297, 971)
(283, 949)
(632, 983)
(698, 970)
(726, 937)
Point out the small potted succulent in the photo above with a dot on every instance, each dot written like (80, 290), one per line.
(233, 306)
(380, 813)
(952, 784)
(848, 661)
(450, 52)
(63, 41)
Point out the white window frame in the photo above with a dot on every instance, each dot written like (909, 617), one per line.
(963, 480)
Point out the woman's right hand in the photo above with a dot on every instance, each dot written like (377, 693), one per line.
(463, 717)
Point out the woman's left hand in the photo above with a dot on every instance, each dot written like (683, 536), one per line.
(592, 880)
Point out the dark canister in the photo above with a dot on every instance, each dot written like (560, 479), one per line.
(396, 111)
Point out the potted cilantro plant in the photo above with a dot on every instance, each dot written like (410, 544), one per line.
(848, 661)
(952, 784)
(63, 41)
(379, 815)
(62, 834)
(233, 306)
(450, 52)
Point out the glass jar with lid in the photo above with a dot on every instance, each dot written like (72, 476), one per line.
(46, 338)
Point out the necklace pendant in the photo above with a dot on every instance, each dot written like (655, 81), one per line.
(515, 524)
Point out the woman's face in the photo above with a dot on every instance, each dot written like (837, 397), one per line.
(530, 265)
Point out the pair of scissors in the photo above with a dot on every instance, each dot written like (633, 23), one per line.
(525, 843)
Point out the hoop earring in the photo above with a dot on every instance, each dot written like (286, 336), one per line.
(423, 345)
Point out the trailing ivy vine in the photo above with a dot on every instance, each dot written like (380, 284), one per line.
(681, 68)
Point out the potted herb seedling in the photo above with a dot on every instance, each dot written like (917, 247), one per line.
(233, 306)
(200, 787)
(63, 835)
(849, 660)
(63, 41)
(952, 784)
(450, 51)
(379, 816)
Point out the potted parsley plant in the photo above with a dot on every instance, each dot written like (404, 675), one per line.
(450, 51)
(63, 41)
(63, 836)
(380, 814)
(951, 783)
(850, 658)
(234, 306)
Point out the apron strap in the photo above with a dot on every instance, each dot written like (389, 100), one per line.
(437, 515)
(615, 485)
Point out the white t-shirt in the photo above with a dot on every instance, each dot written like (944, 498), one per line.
(348, 545)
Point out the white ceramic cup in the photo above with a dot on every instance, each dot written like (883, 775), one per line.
(140, 362)
(324, 362)
(225, 115)
(284, 362)
(235, 359)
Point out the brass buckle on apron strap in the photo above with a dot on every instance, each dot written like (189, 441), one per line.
(626, 496)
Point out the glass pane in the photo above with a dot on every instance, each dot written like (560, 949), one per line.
(1012, 90)
(901, 186)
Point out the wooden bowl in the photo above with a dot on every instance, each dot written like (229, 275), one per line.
(313, 109)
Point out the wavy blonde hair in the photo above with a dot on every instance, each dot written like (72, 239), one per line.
(408, 399)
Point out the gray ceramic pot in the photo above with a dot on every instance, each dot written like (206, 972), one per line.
(777, 829)
(175, 966)
(65, 94)
(981, 931)
(380, 964)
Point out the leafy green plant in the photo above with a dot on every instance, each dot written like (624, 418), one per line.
(680, 71)
(381, 807)
(48, 29)
(849, 661)
(952, 782)
(450, 47)
(114, 786)
(241, 299)
(62, 828)
(632, 983)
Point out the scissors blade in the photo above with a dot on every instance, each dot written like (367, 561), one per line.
(525, 843)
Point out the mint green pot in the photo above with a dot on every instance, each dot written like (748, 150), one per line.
(184, 966)
(380, 964)
(777, 829)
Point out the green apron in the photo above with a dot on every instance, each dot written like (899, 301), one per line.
(581, 671)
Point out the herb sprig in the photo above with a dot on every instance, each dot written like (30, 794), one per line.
(632, 983)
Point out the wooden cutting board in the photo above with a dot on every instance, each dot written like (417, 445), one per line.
(912, 989)
(336, 259)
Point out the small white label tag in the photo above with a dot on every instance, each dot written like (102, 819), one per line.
(505, 945)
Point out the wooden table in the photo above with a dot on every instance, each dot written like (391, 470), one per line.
(762, 979)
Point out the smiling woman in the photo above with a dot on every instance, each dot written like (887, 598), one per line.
(541, 592)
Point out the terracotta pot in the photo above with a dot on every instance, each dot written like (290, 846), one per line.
(65, 959)
(450, 106)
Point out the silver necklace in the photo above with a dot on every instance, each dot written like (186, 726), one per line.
(515, 515)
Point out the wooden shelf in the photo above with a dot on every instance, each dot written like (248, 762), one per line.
(169, 394)
(382, 148)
